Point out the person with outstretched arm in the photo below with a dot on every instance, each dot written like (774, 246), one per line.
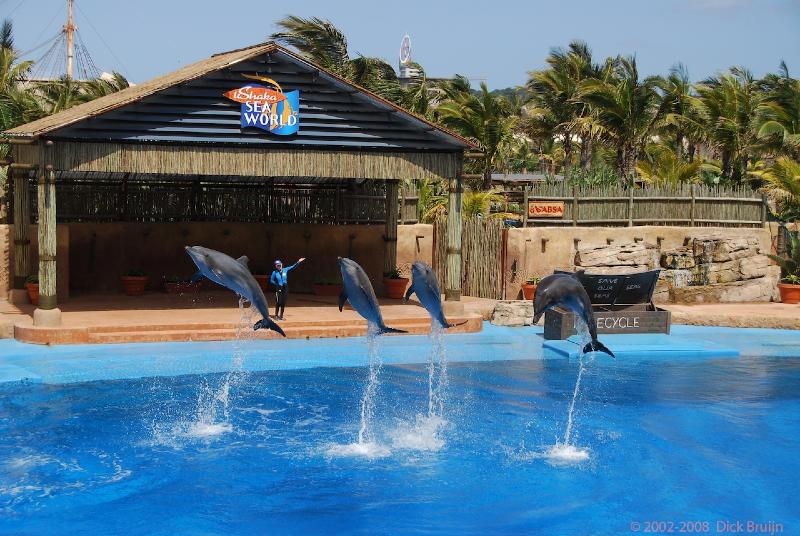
(279, 282)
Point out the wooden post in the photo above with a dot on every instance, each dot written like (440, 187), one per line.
(574, 206)
(452, 290)
(22, 222)
(390, 235)
(47, 229)
(691, 209)
(763, 210)
(630, 206)
(525, 196)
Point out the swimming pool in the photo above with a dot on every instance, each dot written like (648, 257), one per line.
(106, 439)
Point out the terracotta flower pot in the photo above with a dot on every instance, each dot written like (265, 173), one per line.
(789, 293)
(327, 290)
(33, 292)
(528, 290)
(396, 288)
(134, 285)
(263, 282)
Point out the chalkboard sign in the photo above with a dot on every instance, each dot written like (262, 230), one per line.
(638, 288)
(606, 289)
(602, 289)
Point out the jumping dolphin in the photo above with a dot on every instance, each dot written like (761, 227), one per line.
(424, 284)
(358, 291)
(232, 274)
(565, 290)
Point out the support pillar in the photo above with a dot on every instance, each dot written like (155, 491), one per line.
(452, 290)
(22, 223)
(390, 233)
(47, 314)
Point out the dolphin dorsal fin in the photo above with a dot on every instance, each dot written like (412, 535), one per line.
(243, 260)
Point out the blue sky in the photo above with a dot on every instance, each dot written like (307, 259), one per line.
(499, 41)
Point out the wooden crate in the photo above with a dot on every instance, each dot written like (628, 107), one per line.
(642, 318)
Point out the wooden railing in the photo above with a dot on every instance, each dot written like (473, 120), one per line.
(683, 205)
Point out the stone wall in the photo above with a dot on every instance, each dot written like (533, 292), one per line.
(540, 250)
(707, 268)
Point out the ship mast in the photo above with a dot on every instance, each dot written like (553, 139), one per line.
(69, 29)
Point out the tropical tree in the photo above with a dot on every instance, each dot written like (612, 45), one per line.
(677, 113)
(779, 114)
(664, 166)
(105, 85)
(624, 111)
(782, 181)
(484, 118)
(729, 105)
(553, 110)
(324, 44)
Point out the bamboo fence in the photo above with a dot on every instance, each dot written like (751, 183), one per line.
(682, 205)
(481, 258)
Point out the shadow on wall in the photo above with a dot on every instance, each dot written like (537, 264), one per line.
(100, 253)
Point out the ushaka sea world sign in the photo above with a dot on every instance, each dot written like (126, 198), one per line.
(268, 107)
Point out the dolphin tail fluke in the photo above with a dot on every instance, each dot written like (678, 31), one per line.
(387, 329)
(267, 323)
(597, 346)
(409, 292)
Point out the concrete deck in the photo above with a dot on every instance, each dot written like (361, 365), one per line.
(212, 316)
(737, 315)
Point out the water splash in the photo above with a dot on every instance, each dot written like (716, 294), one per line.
(566, 453)
(366, 444)
(423, 434)
(212, 417)
(437, 373)
(366, 432)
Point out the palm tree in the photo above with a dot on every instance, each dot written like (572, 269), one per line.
(678, 111)
(485, 118)
(323, 43)
(624, 111)
(553, 110)
(105, 85)
(663, 166)
(729, 105)
(779, 114)
(782, 180)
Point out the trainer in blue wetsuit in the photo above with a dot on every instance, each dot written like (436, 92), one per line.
(279, 282)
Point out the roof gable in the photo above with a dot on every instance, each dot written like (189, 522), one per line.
(189, 106)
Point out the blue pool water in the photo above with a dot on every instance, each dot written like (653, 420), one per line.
(107, 439)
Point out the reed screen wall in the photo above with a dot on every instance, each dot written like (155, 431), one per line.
(177, 199)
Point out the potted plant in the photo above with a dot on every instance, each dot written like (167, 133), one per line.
(327, 287)
(529, 287)
(134, 282)
(32, 286)
(789, 286)
(395, 284)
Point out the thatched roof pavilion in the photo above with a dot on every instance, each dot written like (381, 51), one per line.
(186, 131)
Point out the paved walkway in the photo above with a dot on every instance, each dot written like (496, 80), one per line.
(212, 315)
(737, 315)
